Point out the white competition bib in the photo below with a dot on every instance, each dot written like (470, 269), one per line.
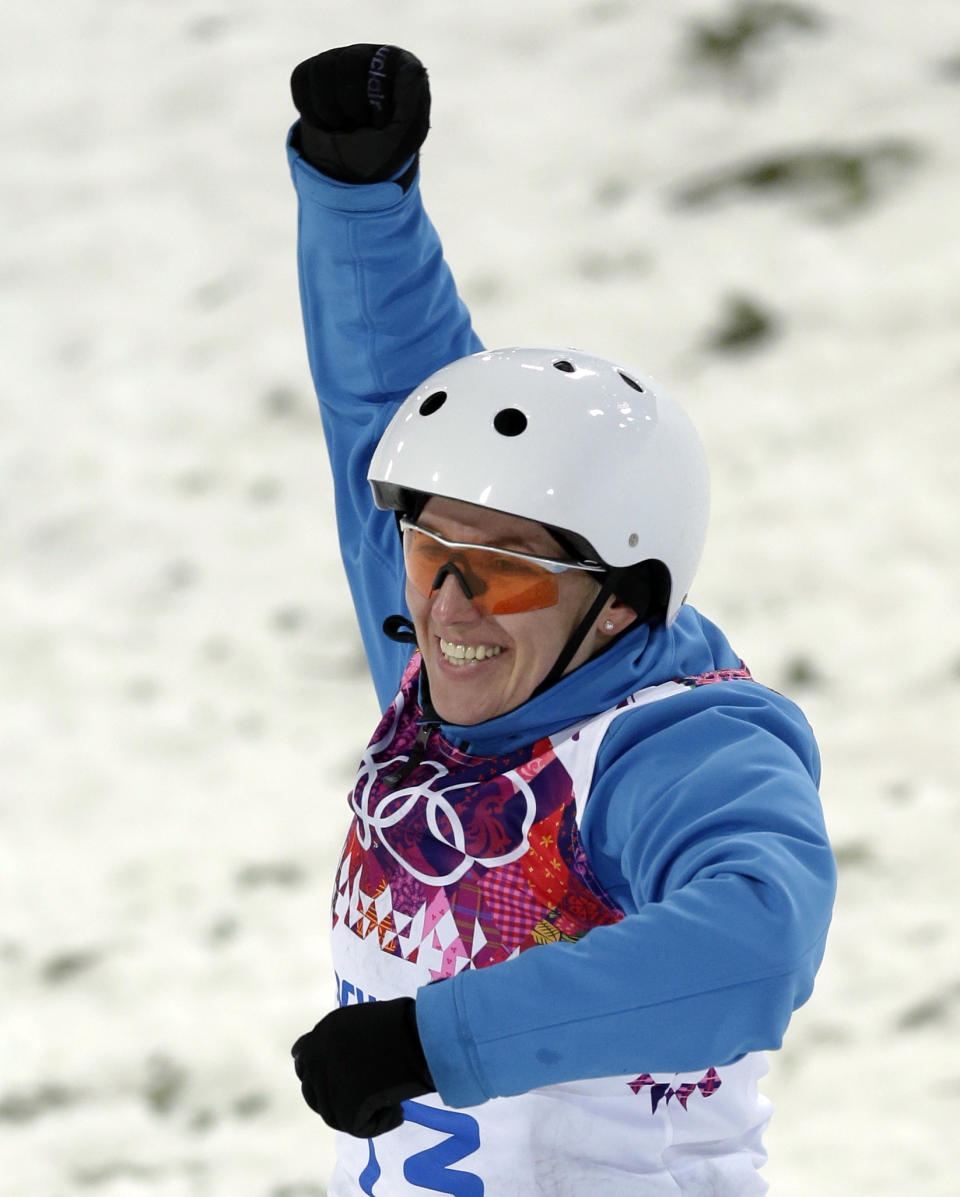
(456, 861)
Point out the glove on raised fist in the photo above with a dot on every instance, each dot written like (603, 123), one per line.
(360, 1062)
(364, 111)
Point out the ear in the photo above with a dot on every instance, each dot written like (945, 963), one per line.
(615, 616)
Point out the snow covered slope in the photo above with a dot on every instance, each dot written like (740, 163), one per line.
(756, 202)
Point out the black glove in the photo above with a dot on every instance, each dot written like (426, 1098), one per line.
(360, 1062)
(364, 110)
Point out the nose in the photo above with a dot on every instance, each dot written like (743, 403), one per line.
(470, 585)
(449, 603)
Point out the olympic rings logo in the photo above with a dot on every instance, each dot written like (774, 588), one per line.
(393, 807)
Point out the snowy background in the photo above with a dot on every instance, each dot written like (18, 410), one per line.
(756, 202)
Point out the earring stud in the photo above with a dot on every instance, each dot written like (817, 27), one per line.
(608, 625)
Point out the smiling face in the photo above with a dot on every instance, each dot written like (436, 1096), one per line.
(480, 666)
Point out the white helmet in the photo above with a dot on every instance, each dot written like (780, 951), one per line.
(578, 443)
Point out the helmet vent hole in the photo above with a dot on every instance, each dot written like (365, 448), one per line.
(510, 421)
(631, 382)
(433, 403)
(565, 366)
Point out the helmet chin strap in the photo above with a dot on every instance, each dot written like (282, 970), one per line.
(576, 638)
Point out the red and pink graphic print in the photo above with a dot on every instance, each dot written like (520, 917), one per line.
(663, 1091)
(461, 861)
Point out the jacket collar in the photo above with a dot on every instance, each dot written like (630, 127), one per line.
(642, 657)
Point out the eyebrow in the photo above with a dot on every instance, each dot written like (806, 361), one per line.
(523, 544)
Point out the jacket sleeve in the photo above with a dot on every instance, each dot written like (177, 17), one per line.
(707, 829)
(381, 313)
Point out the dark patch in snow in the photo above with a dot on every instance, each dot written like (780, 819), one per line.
(284, 873)
(744, 324)
(64, 966)
(725, 41)
(837, 181)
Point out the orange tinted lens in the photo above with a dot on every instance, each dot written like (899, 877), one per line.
(540, 592)
(423, 558)
(500, 585)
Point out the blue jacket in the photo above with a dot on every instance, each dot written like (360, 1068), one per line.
(704, 821)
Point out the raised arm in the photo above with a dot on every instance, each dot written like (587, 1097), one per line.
(380, 308)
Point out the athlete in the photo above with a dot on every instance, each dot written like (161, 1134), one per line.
(586, 879)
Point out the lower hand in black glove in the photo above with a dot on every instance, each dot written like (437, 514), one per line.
(360, 1062)
(364, 112)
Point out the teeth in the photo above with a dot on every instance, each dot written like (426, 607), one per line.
(459, 654)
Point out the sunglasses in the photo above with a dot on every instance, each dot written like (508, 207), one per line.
(497, 581)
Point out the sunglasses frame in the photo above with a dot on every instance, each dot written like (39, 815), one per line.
(550, 564)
